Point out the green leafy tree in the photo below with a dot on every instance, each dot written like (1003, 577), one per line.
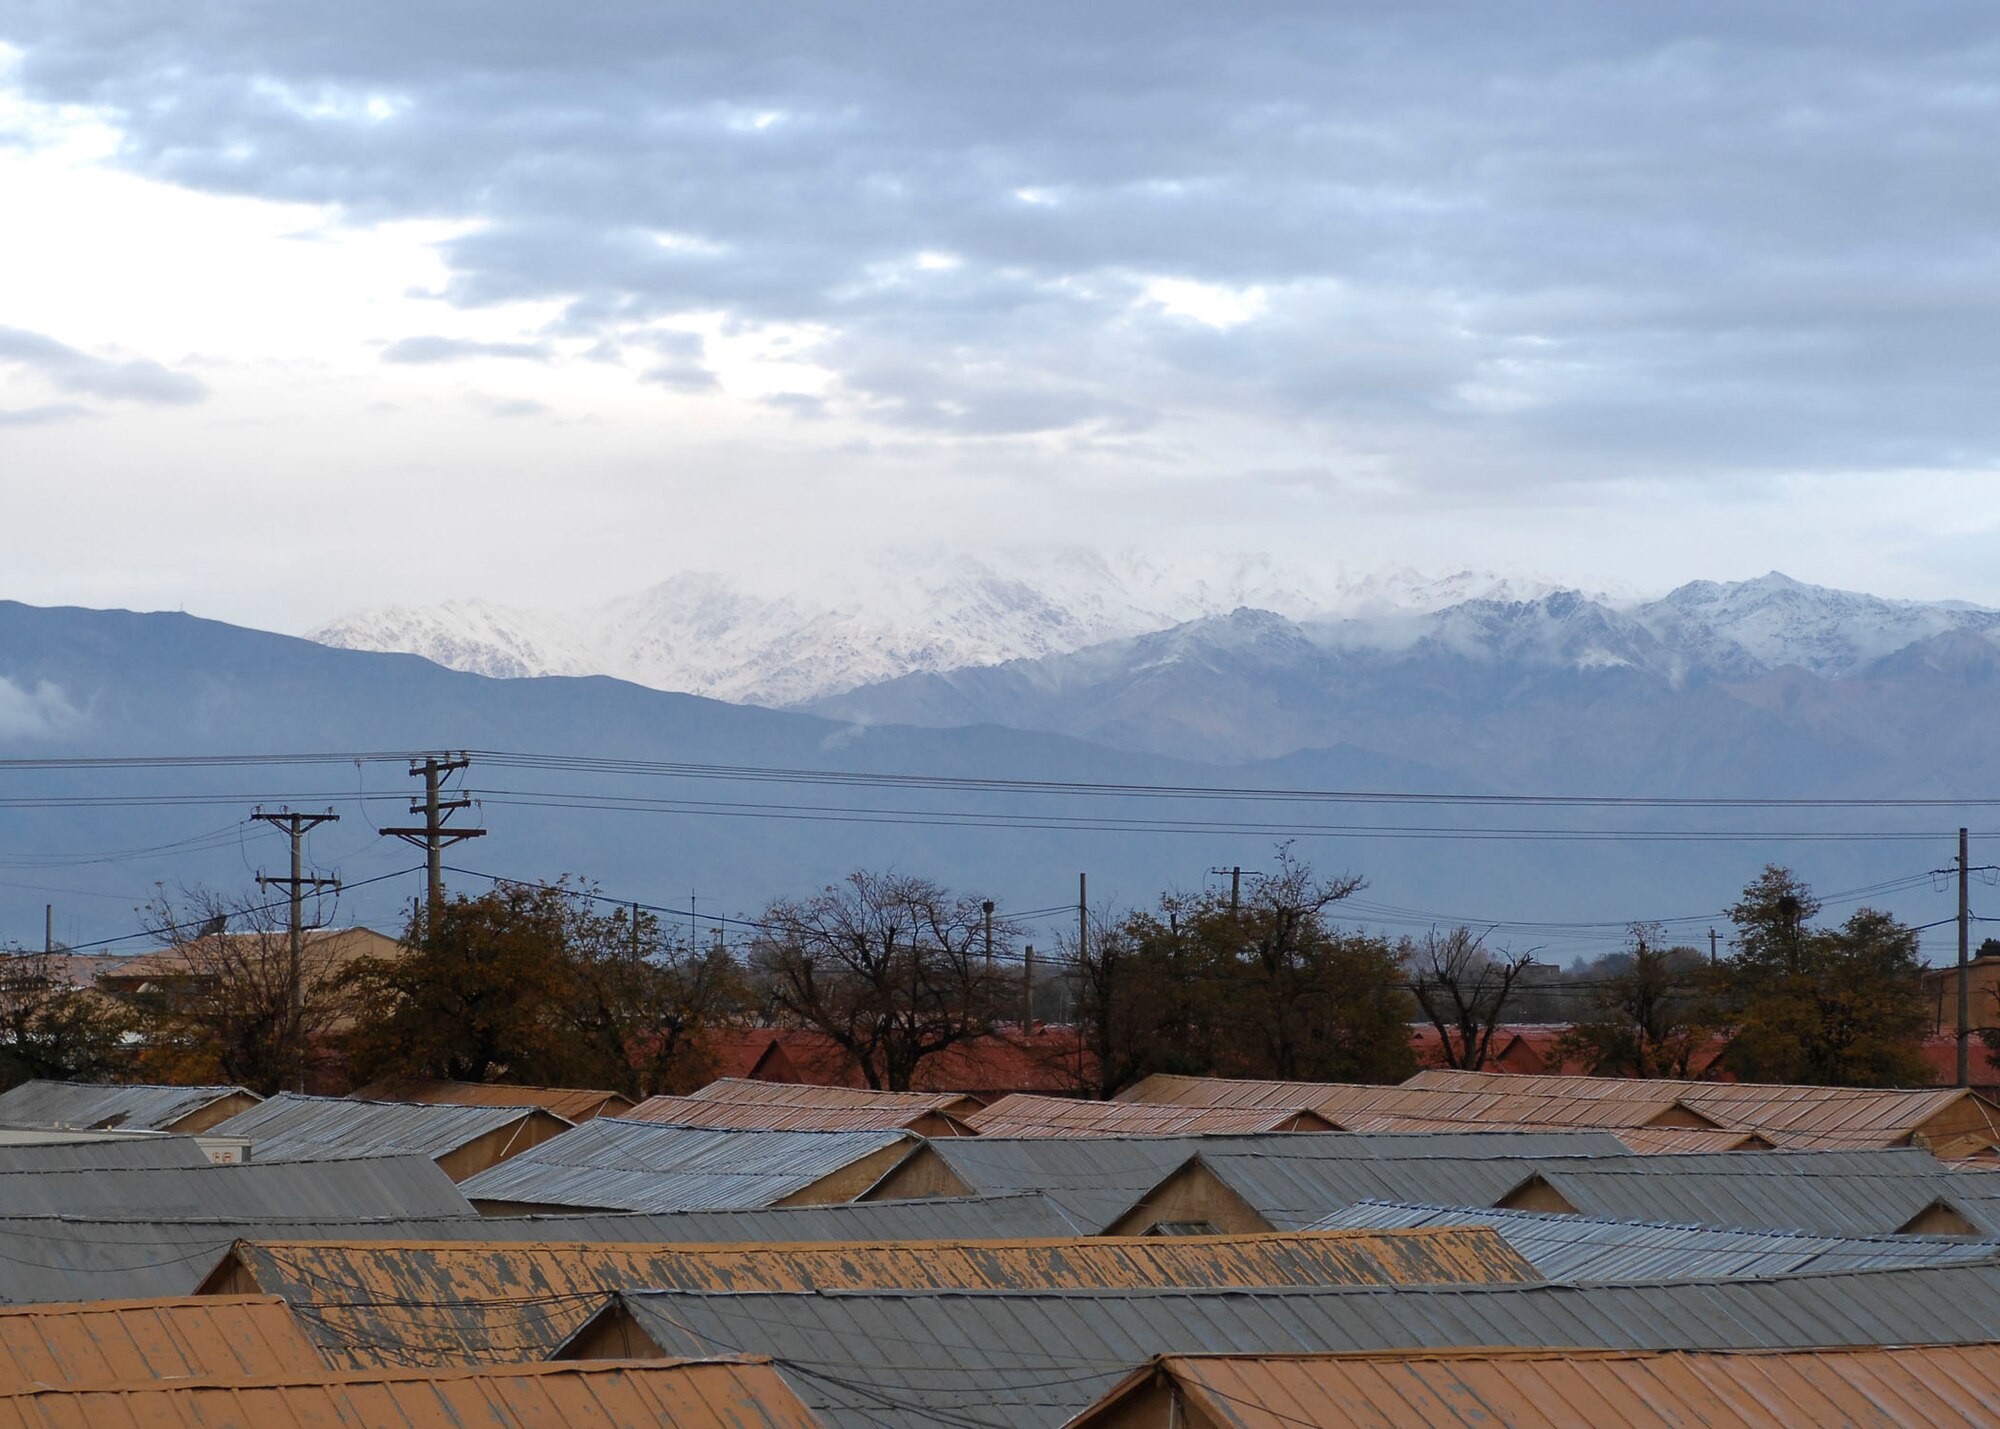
(1826, 1006)
(1653, 1018)
(51, 1029)
(1271, 987)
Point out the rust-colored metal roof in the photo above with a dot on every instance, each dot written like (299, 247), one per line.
(1827, 1118)
(152, 1339)
(745, 1090)
(736, 1392)
(1026, 1115)
(569, 1103)
(454, 1302)
(924, 1113)
(1497, 1101)
(1541, 1389)
(1653, 1140)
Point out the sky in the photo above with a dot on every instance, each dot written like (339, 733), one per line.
(305, 308)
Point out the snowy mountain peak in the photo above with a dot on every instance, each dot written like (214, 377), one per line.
(906, 613)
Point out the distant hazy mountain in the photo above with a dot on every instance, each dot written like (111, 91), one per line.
(1554, 693)
(1760, 684)
(702, 634)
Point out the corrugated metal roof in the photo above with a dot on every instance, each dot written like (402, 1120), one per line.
(1023, 1114)
(290, 1127)
(793, 1094)
(89, 1104)
(152, 1339)
(574, 1104)
(897, 1358)
(1540, 1389)
(128, 1152)
(781, 1116)
(709, 1394)
(1584, 1248)
(372, 1303)
(1292, 1181)
(1494, 1102)
(1846, 1193)
(631, 1165)
(1289, 1179)
(382, 1186)
(1826, 1117)
(46, 1258)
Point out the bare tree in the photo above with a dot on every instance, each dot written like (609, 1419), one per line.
(892, 969)
(1463, 989)
(226, 999)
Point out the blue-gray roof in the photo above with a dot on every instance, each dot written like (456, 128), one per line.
(1582, 1248)
(88, 1105)
(643, 1166)
(379, 1186)
(1289, 1178)
(289, 1127)
(898, 1358)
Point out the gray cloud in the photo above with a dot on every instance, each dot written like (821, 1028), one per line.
(425, 350)
(1693, 240)
(69, 369)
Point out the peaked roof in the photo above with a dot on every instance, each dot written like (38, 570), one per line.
(290, 1127)
(1582, 1248)
(733, 1102)
(151, 1339)
(381, 1302)
(1037, 1358)
(1540, 1389)
(612, 1164)
(373, 1186)
(1803, 1116)
(95, 1105)
(574, 1104)
(740, 1392)
(1024, 1114)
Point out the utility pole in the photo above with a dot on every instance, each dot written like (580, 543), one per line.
(1964, 957)
(1028, 990)
(297, 826)
(986, 912)
(1082, 919)
(433, 838)
(1711, 947)
(48, 927)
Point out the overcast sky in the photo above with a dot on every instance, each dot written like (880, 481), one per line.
(305, 307)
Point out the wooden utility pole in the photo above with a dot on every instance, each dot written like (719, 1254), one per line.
(986, 913)
(1028, 990)
(1711, 947)
(433, 838)
(1964, 963)
(297, 826)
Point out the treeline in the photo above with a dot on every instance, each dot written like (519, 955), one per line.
(549, 984)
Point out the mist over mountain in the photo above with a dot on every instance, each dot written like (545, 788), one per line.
(1768, 686)
(894, 614)
(1763, 688)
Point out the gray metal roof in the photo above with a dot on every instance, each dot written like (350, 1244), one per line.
(1840, 1193)
(131, 1152)
(289, 1127)
(1581, 1248)
(90, 1104)
(610, 1164)
(1012, 1217)
(382, 1186)
(875, 1358)
(1289, 1178)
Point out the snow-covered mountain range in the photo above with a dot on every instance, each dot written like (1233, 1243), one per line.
(699, 633)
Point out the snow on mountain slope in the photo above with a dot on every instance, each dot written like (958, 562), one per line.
(703, 634)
